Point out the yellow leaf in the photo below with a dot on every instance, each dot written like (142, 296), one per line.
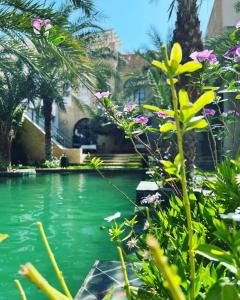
(183, 98)
(190, 66)
(3, 237)
(166, 163)
(174, 66)
(200, 124)
(176, 53)
(174, 81)
(160, 65)
(202, 101)
(167, 127)
(177, 159)
(158, 109)
(212, 88)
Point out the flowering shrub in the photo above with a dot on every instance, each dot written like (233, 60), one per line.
(203, 251)
(206, 55)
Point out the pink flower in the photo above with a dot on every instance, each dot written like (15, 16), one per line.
(205, 55)
(141, 120)
(117, 113)
(231, 112)
(235, 52)
(113, 107)
(162, 115)
(39, 24)
(129, 107)
(238, 25)
(99, 95)
(209, 112)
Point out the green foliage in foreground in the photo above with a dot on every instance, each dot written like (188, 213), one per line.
(198, 235)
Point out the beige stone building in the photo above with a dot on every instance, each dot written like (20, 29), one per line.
(223, 16)
(71, 128)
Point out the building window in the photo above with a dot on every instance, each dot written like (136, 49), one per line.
(139, 96)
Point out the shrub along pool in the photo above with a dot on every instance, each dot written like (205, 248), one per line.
(72, 209)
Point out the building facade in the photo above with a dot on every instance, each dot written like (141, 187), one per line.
(72, 128)
(223, 16)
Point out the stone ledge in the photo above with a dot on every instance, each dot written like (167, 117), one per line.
(18, 173)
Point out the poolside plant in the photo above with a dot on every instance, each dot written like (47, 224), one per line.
(33, 275)
(20, 289)
(53, 163)
(188, 225)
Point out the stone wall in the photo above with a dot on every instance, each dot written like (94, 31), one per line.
(32, 139)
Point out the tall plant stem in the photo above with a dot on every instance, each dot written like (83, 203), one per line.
(184, 187)
(32, 274)
(125, 276)
(163, 266)
(53, 261)
(21, 290)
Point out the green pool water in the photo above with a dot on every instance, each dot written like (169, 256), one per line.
(72, 209)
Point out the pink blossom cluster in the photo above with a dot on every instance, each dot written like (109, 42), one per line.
(205, 55)
(41, 24)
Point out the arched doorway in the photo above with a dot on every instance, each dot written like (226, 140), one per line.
(82, 134)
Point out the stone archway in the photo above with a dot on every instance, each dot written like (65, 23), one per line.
(82, 134)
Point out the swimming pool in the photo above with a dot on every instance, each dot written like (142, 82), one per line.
(72, 209)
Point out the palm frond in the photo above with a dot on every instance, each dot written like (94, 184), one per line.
(87, 6)
(85, 108)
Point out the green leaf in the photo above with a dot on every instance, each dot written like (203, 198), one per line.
(167, 127)
(238, 97)
(59, 40)
(159, 65)
(222, 231)
(223, 290)
(183, 98)
(215, 253)
(190, 66)
(107, 102)
(157, 109)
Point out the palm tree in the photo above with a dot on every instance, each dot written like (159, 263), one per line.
(187, 27)
(69, 61)
(55, 63)
(17, 88)
(187, 32)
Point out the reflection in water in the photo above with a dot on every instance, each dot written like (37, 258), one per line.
(72, 209)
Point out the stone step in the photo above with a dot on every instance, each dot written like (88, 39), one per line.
(104, 276)
(117, 160)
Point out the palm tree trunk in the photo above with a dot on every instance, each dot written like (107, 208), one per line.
(47, 111)
(187, 32)
(187, 28)
(6, 136)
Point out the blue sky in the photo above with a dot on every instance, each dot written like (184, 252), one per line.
(132, 19)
